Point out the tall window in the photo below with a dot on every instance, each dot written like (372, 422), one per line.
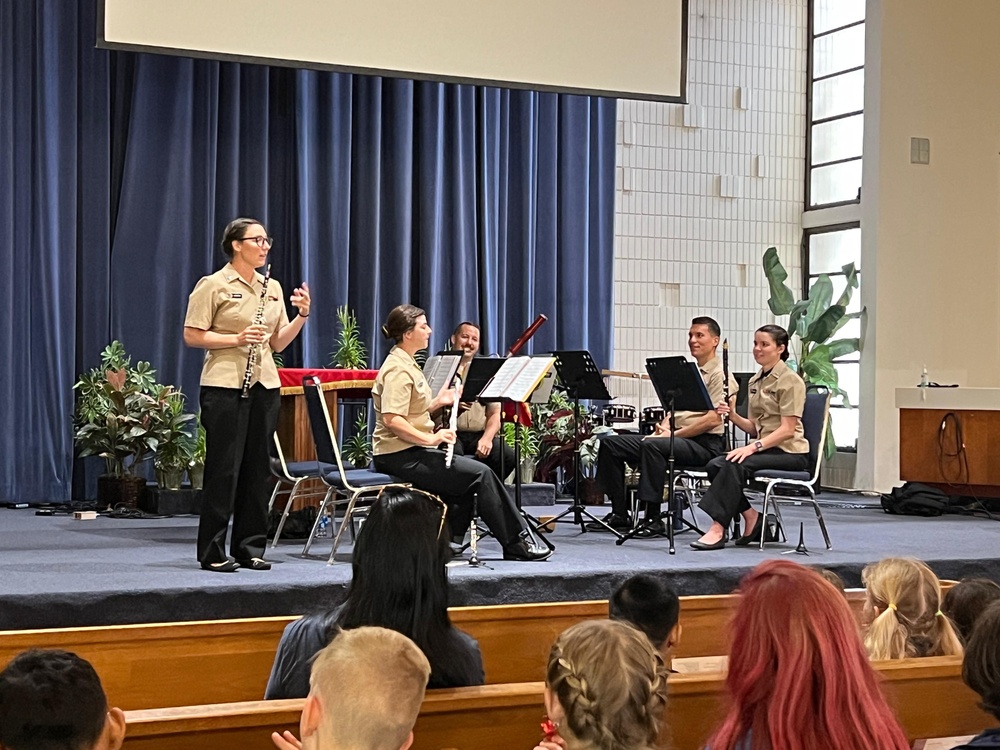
(827, 251)
(835, 102)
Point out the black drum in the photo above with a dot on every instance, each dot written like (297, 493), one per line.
(651, 416)
(618, 414)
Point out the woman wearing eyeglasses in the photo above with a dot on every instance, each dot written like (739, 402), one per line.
(405, 445)
(399, 580)
(229, 312)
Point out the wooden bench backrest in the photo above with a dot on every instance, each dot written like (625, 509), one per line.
(928, 694)
(162, 665)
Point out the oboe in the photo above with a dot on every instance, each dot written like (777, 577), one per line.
(255, 349)
(449, 452)
(725, 392)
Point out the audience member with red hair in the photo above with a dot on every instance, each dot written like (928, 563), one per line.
(799, 677)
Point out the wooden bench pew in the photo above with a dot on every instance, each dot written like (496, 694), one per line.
(219, 661)
(928, 694)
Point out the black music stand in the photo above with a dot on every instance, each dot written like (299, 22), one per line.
(481, 373)
(679, 385)
(582, 379)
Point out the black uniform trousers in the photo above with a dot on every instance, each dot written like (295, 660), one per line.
(725, 498)
(238, 433)
(468, 442)
(650, 457)
(424, 468)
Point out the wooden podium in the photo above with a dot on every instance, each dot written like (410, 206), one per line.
(949, 438)
(293, 418)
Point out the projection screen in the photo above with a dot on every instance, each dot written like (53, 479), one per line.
(630, 48)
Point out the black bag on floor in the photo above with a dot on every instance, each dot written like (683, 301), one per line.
(915, 499)
(298, 524)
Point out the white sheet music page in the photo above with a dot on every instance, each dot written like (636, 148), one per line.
(509, 370)
(528, 378)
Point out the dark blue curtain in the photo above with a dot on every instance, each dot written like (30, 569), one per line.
(119, 170)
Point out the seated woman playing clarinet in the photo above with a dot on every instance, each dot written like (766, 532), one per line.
(405, 445)
(777, 398)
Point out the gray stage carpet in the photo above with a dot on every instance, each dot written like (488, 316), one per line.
(56, 572)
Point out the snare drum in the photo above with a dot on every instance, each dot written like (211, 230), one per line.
(619, 414)
(651, 416)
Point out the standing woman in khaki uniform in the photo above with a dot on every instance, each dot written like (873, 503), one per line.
(777, 399)
(405, 445)
(221, 316)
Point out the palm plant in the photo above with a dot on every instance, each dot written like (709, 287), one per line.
(358, 447)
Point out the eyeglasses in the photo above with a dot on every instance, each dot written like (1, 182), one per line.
(437, 500)
(261, 241)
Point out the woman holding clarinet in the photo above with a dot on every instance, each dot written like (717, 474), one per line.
(237, 316)
(405, 445)
(774, 424)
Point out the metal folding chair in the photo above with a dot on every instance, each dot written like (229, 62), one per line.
(289, 477)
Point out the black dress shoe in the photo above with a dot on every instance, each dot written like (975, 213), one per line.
(524, 550)
(226, 566)
(255, 563)
(752, 536)
(615, 521)
(702, 546)
(651, 528)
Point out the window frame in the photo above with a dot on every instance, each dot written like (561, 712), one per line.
(810, 123)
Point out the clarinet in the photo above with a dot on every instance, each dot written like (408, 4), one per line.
(255, 349)
(725, 393)
(449, 452)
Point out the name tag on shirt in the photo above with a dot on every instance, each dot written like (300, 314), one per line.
(235, 295)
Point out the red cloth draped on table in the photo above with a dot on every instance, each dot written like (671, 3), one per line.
(350, 383)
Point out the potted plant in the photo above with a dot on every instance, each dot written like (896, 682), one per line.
(175, 446)
(529, 445)
(350, 353)
(812, 324)
(119, 409)
(196, 466)
(358, 447)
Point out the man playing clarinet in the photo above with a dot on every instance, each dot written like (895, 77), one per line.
(697, 440)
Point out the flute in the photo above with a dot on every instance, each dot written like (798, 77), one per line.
(255, 349)
(449, 452)
(725, 392)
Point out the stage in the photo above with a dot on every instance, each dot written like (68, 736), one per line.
(59, 572)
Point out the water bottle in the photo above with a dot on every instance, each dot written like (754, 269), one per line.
(324, 526)
(924, 382)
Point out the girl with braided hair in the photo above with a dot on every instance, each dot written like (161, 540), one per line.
(799, 678)
(904, 602)
(605, 689)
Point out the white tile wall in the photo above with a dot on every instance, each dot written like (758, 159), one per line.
(681, 249)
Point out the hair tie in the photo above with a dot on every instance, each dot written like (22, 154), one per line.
(385, 331)
(892, 606)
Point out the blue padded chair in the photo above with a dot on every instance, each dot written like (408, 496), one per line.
(345, 485)
(288, 479)
(815, 418)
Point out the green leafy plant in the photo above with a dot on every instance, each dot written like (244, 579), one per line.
(812, 323)
(358, 447)
(279, 361)
(199, 449)
(530, 440)
(175, 443)
(122, 414)
(350, 353)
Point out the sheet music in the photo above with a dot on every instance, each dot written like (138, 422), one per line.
(497, 387)
(440, 371)
(700, 664)
(941, 743)
(529, 377)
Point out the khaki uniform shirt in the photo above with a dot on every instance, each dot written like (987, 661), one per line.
(225, 303)
(472, 419)
(712, 374)
(400, 388)
(781, 394)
